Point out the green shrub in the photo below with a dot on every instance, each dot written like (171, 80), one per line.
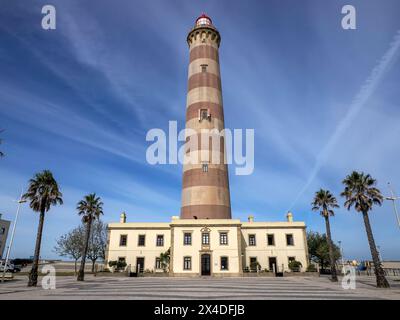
(311, 268)
(117, 264)
(112, 263)
(295, 266)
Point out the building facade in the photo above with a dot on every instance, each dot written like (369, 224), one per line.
(205, 240)
(4, 226)
(200, 247)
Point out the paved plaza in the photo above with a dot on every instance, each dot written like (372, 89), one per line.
(197, 288)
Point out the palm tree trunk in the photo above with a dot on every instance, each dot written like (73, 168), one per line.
(330, 246)
(33, 275)
(381, 281)
(81, 274)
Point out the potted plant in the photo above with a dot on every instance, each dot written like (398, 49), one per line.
(295, 266)
(112, 265)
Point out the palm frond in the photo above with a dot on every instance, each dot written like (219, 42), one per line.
(360, 192)
(43, 192)
(90, 208)
(324, 202)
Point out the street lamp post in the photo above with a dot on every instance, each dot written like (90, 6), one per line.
(20, 201)
(341, 254)
(393, 198)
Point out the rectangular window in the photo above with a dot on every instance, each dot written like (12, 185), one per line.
(290, 259)
(121, 259)
(187, 239)
(270, 239)
(289, 240)
(252, 239)
(223, 238)
(224, 263)
(204, 67)
(123, 240)
(2, 231)
(203, 114)
(205, 238)
(160, 240)
(158, 263)
(205, 167)
(187, 263)
(141, 240)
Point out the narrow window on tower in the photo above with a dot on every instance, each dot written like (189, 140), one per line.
(204, 114)
(204, 67)
(205, 167)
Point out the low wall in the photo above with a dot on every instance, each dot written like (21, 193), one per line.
(301, 274)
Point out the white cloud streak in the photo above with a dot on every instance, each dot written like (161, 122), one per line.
(357, 104)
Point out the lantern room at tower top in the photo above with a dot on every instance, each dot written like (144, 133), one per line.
(203, 20)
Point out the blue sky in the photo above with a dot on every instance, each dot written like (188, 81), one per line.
(79, 100)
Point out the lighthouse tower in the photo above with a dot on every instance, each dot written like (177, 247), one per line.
(205, 186)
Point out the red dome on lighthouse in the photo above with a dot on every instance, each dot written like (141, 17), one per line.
(203, 20)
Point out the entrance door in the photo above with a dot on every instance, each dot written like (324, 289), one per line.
(205, 265)
(139, 264)
(273, 264)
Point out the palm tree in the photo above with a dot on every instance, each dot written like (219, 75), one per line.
(43, 192)
(90, 208)
(324, 202)
(360, 192)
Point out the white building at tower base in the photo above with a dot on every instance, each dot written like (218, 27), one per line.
(217, 247)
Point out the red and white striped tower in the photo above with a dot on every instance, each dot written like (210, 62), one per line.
(205, 187)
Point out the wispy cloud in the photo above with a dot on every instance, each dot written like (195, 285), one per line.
(356, 106)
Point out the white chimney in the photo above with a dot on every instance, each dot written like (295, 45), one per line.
(289, 217)
(122, 218)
